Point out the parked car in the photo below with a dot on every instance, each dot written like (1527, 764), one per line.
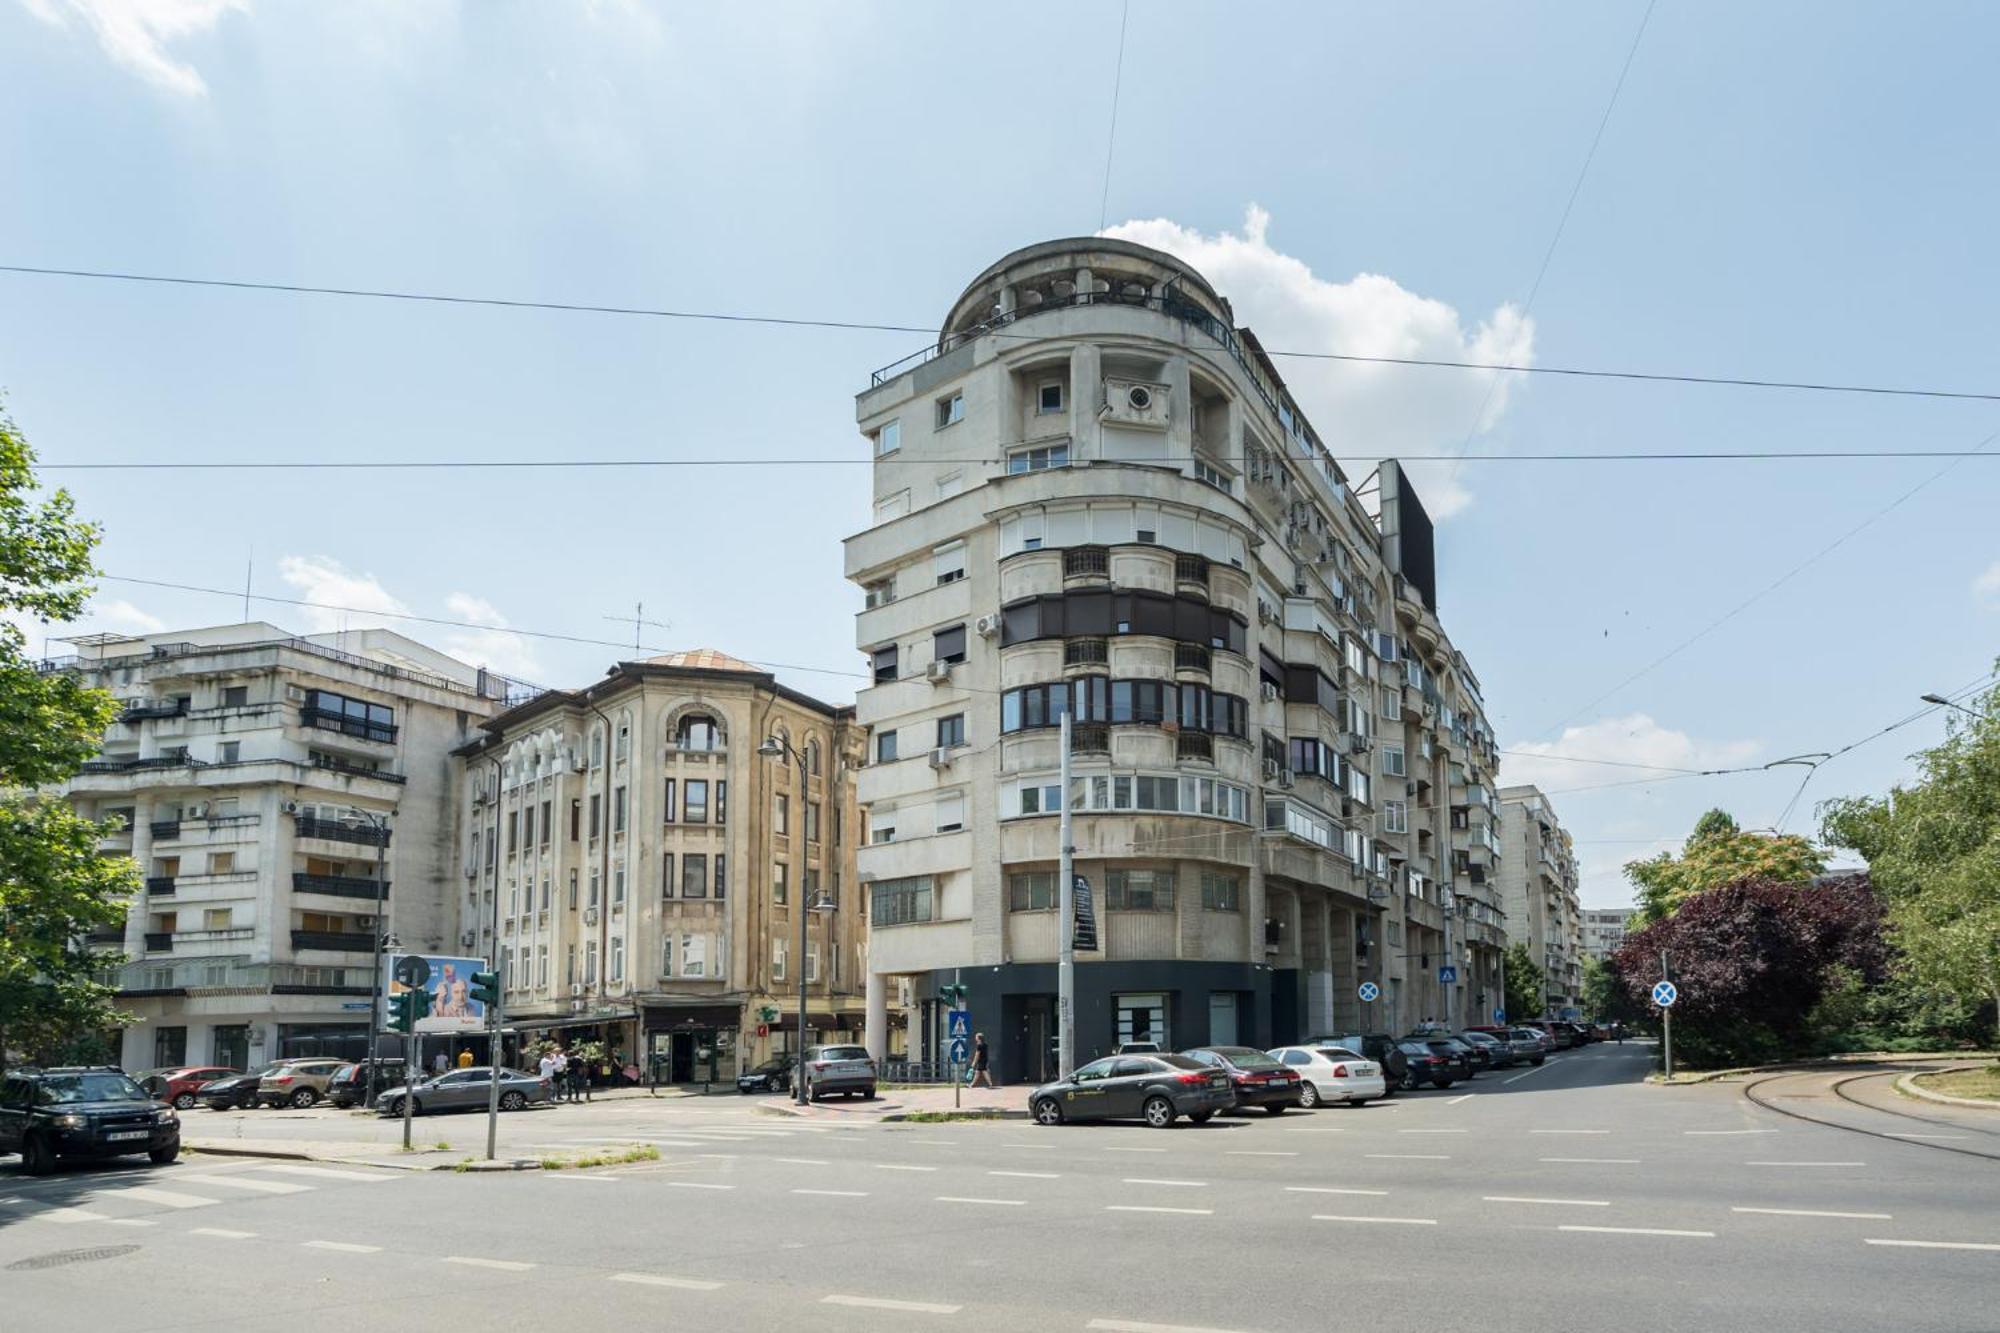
(1463, 1063)
(177, 1085)
(1499, 1054)
(1257, 1079)
(772, 1076)
(240, 1091)
(465, 1090)
(1599, 1031)
(1377, 1046)
(1423, 1065)
(1333, 1074)
(844, 1069)
(1156, 1088)
(1560, 1037)
(1138, 1048)
(1528, 1045)
(350, 1085)
(1583, 1032)
(89, 1112)
(299, 1084)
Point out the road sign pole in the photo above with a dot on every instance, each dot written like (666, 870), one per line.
(1065, 925)
(1667, 1022)
(493, 1059)
(957, 1083)
(409, 1079)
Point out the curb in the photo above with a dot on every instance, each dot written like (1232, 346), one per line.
(1908, 1083)
(948, 1117)
(1822, 1062)
(290, 1155)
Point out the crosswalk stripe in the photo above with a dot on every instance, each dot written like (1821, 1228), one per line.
(323, 1172)
(147, 1194)
(656, 1280)
(222, 1232)
(257, 1186)
(504, 1265)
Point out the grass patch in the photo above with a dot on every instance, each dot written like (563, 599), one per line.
(463, 1166)
(1964, 1082)
(945, 1117)
(638, 1152)
(441, 1146)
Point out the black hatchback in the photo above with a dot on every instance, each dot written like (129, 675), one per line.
(50, 1114)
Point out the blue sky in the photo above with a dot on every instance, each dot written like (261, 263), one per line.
(1799, 191)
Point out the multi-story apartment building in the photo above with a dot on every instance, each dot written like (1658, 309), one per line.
(1604, 930)
(639, 868)
(280, 793)
(1538, 885)
(1094, 494)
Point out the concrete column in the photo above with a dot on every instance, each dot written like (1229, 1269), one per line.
(142, 854)
(875, 1024)
(1180, 409)
(1086, 394)
(1008, 300)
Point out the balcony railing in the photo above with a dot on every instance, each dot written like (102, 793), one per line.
(1090, 737)
(166, 830)
(368, 835)
(332, 765)
(1194, 745)
(340, 886)
(1086, 562)
(174, 758)
(328, 720)
(108, 936)
(1191, 657)
(1086, 652)
(159, 941)
(164, 708)
(340, 941)
(1191, 569)
(160, 885)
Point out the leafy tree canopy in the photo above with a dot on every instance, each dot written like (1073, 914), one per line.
(1717, 853)
(1526, 982)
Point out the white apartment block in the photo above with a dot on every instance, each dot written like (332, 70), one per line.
(1538, 883)
(1604, 930)
(1094, 494)
(278, 792)
(639, 869)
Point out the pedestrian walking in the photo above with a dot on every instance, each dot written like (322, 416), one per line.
(981, 1061)
(438, 1063)
(465, 1058)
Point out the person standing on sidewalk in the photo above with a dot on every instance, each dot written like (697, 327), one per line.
(981, 1061)
(579, 1078)
(550, 1071)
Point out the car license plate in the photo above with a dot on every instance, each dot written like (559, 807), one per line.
(129, 1134)
(1218, 1081)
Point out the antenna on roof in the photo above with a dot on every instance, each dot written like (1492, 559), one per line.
(638, 619)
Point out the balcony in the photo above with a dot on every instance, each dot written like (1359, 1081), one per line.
(1194, 745)
(1086, 562)
(340, 886)
(160, 886)
(160, 941)
(368, 835)
(162, 709)
(340, 941)
(109, 937)
(1090, 738)
(329, 764)
(176, 757)
(1086, 652)
(1191, 574)
(360, 728)
(166, 830)
(1192, 657)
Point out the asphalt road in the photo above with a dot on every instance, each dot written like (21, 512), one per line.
(1569, 1197)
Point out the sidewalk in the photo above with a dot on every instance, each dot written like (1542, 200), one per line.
(912, 1103)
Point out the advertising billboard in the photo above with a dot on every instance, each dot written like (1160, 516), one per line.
(448, 981)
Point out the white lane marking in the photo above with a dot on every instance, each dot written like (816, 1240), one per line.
(1518, 1077)
(345, 1247)
(1935, 1244)
(935, 1143)
(1640, 1231)
(1813, 1212)
(1805, 1164)
(1139, 1326)
(1149, 1208)
(1410, 1156)
(960, 1198)
(677, 1143)
(147, 1194)
(898, 1166)
(1135, 1150)
(1729, 1131)
(1029, 1175)
(1148, 1180)
(131, 1222)
(1390, 1221)
(879, 1303)
(221, 1232)
(1255, 1152)
(1328, 1189)
(1433, 1131)
(1311, 1129)
(324, 1172)
(803, 1161)
(1928, 1136)
(1462, 1097)
(579, 1179)
(70, 1215)
(1594, 1161)
(1569, 1131)
(1524, 1198)
(257, 1186)
(504, 1265)
(656, 1280)
(836, 1194)
(695, 1185)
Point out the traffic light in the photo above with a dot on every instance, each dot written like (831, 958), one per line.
(953, 994)
(406, 1007)
(486, 987)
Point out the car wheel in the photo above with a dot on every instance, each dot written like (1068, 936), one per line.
(1444, 1083)
(1201, 1117)
(164, 1156)
(396, 1107)
(1308, 1094)
(303, 1099)
(184, 1102)
(38, 1155)
(1048, 1111)
(1538, 1061)
(512, 1101)
(868, 1096)
(1275, 1110)
(1159, 1112)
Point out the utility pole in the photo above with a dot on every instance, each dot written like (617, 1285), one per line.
(496, 989)
(1450, 960)
(1065, 925)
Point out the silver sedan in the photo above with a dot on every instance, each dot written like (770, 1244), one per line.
(465, 1090)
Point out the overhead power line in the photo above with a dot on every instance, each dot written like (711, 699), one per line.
(872, 326)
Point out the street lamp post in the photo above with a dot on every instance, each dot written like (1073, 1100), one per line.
(1943, 702)
(776, 748)
(381, 826)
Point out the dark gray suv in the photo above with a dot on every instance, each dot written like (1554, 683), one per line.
(49, 1114)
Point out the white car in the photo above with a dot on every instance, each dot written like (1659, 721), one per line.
(1333, 1074)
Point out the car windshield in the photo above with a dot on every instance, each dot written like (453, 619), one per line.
(843, 1052)
(1338, 1053)
(107, 1087)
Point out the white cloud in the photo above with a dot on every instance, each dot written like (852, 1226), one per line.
(1986, 588)
(1633, 739)
(324, 580)
(118, 615)
(1363, 412)
(135, 33)
(498, 648)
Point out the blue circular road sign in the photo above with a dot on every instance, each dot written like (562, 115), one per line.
(1370, 992)
(1665, 993)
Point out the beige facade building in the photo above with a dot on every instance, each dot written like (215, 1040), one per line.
(1094, 494)
(639, 868)
(1604, 930)
(1538, 881)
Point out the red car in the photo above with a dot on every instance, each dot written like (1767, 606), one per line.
(178, 1084)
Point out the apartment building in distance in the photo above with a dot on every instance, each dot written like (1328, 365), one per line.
(1095, 495)
(638, 867)
(280, 793)
(1604, 930)
(1539, 887)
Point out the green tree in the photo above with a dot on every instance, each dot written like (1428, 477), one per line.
(1715, 854)
(1526, 982)
(1933, 850)
(55, 887)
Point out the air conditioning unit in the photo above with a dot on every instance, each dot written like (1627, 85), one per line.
(575, 989)
(1284, 777)
(1266, 613)
(291, 807)
(939, 672)
(940, 756)
(1136, 403)
(471, 870)
(295, 694)
(590, 916)
(988, 626)
(576, 764)
(199, 810)
(1270, 692)
(467, 940)
(1358, 743)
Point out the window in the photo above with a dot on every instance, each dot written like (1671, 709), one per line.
(542, 967)
(948, 562)
(617, 958)
(1212, 476)
(617, 809)
(623, 745)
(617, 886)
(781, 891)
(892, 507)
(901, 902)
(884, 660)
(548, 822)
(1037, 460)
(694, 808)
(951, 731)
(528, 827)
(216, 918)
(721, 876)
(948, 645)
(721, 802)
(666, 875)
(228, 752)
(694, 875)
(879, 593)
(812, 967)
(667, 955)
(781, 816)
(1049, 398)
(1392, 703)
(1139, 890)
(885, 746)
(596, 813)
(778, 957)
(1394, 763)
(1220, 893)
(350, 717)
(513, 829)
(575, 819)
(667, 804)
(1031, 891)
(812, 821)
(812, 756)
(545, 892)
(950, 812)
(950, 410)
(593, 887)
(1041, 800)
(569, 966)
(694, 955)
(572, 890)
(235, 696)
(1395, 817)
(950, 484)
(883, 828)
(697, 731)
(889, 438)
(810, 886)
(222, 863)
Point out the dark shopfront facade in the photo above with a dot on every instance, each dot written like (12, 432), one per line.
(1176, 1002)
(692, 1043)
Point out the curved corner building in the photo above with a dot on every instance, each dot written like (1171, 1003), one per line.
(1094, 493)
